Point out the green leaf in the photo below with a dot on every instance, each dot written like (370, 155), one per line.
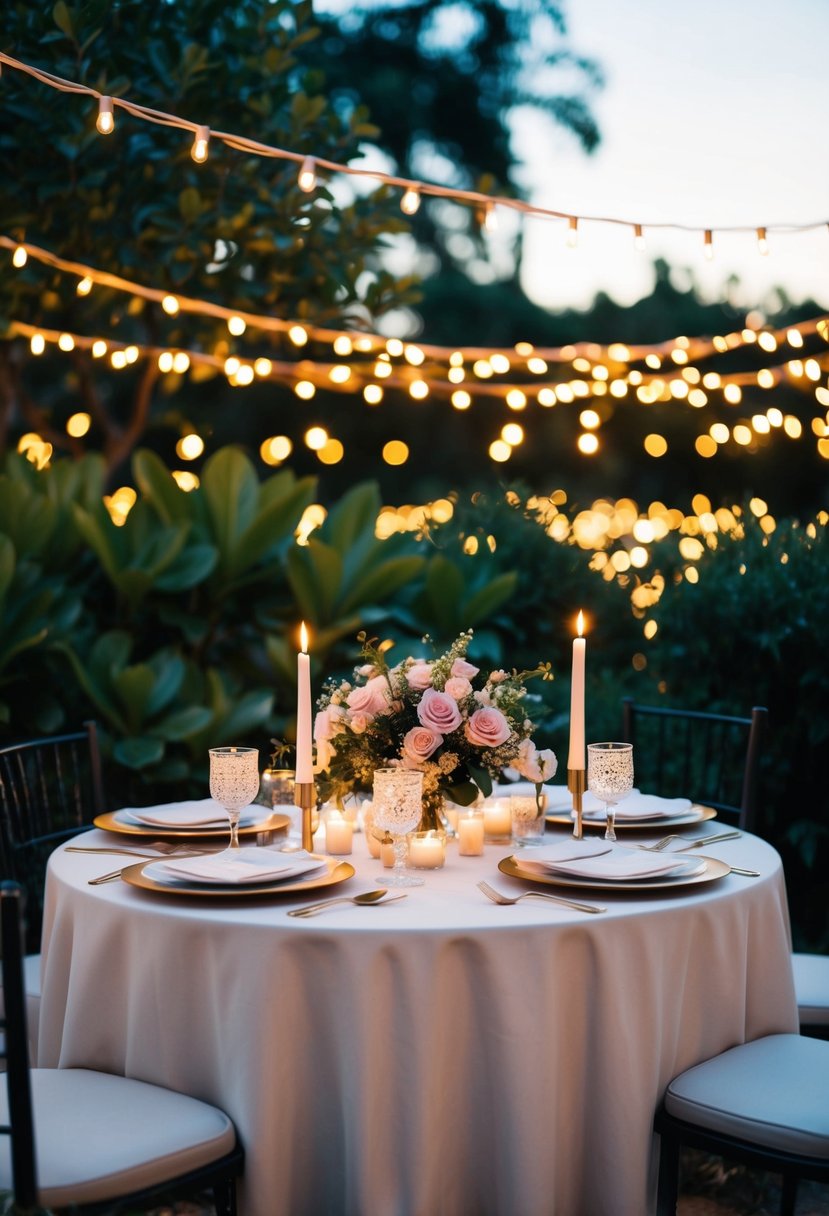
(354, 515)
(231, 491)
(272, 525)
(138, 753)
(444, 589)
(134, 687)
(62, 17)
(184, 722)
(8, 561)
(155, 481)
(485, 602)
(315, 572)
(249, 713)
(380, 584)
(193, 566)
(190, 204)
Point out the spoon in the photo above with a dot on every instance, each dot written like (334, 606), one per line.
(367, 897)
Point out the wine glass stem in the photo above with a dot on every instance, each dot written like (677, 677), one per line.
(234, 829)
(610, 830)
(399, 856)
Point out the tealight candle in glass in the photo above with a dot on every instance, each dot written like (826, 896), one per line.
(426, 850)
(471, 834)
(497, 821)
(338, 834)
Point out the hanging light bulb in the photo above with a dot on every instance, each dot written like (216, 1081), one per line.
(762, 243)
(200, 141)
(20, 257)
(708, 244)
(490, 218)
(638, 238)
(307, 180)
(573, 232)
(410, 202)
(105, 121)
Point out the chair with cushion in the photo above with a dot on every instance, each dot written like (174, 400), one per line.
(762, 1103)
(712, 758)
(92, 1141)
(50, 789)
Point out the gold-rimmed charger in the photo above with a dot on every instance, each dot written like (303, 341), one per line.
(714, 870)
(335, 873)
(696, 814)
(110, 823)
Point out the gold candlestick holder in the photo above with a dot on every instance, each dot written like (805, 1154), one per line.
(577, 784)
(305, 798)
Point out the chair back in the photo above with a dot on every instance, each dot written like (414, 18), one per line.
(50, 789)
(711, 758)
(15, 1048)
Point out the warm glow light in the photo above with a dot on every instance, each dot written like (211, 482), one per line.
(99, 349)
(655, 445)
(708, 244)
(500, 451)
(78, 425)
(394, 347)
(201, 139)
(118, 359)
(66, 342)
(373, 394)
(705, 446)
(762, 242)
(232, 365)
(245, 375)
(589, 419)
(316, 438)
(190, 447)
(304, 389)
(263, 367)
(307, 179)
(572, 232)
(516, 399)
(490, 218)
(499, 363)
(332, 452)
(340, 373)
(395, 452)
(170, 305)
(186, 480)
(343, 346)
(105, 122)
(638, 238)
(413, 354)
(580, 624)
(588, 443)
(84, 286)
(512, 433)
(37, 344)
(460, 399)
(418, 389)
(236, 325)
(410, 202)
(303, 638)
(276, 449)
(181, 362)
(298, 335)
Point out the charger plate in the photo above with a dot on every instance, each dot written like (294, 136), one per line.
(696, 814)
(714, 870)
(337, 872)
(111, 823)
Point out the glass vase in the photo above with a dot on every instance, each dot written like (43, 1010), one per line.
(433, 814)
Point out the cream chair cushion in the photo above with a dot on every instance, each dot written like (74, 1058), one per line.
(811, 986)
(773, 1092)
(99, 1136)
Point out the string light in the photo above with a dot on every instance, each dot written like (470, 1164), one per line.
(573, 232)
(762, 243)
(410, 202)
(201, 139)
(490, 218)
(307, 179)
(105, 121)
(708, 245)
(638, 238)
(20, 257)
(241, 143)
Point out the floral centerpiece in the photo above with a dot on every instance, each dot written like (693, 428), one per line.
(438, 716)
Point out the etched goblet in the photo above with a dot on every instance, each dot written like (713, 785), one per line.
(234, 783)
(610, 777)
(397, 808)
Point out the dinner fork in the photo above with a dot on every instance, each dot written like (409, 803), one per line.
(689, 844)
(168, 850)
(498, 898)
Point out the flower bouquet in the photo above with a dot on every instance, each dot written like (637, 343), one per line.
(437, 716)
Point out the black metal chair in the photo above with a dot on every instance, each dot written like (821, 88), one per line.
(50, 789)
(712, 758)
(94, 1142)
(762, 1103)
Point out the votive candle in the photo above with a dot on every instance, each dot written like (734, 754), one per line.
(471, 834)
(339, 833)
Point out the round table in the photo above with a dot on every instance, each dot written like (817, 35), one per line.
(441, 1056)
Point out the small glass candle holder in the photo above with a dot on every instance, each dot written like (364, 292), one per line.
(339, 834)
(528, 820)
(497, 821)
(427, 850)
(276, 787)
(471, 833)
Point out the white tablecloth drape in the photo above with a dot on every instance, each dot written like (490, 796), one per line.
(441, 1056)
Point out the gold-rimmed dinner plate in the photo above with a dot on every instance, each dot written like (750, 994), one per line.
(110, 822)
(714, 870)
(696, 814)
(335, 873)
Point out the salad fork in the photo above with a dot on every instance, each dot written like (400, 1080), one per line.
(689, 844)
(498, 898)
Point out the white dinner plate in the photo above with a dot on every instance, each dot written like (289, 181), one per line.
(335, 872)
(713, 870)
(115, 821)
(696, 814)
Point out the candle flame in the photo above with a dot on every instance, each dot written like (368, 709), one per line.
(580, 623)
(303, 638)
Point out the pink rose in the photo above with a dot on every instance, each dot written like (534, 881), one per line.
(418, 745)
(460, 667)
(438, 712)
(370, 698)
(359, 722)
(495, 677)
(419, 675)
(457, 687)
(487, 728)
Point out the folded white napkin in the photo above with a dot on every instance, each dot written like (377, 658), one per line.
(202, 813)
(642, 806)
(559, 797)
(621, 865)
(251, 866)
(548, 858)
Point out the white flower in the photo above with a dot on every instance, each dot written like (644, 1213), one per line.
(458, 687)
(535, 765)
(495, 677)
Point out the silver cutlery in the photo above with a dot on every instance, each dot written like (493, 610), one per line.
(366, 899)
(689, 843)
(745, 873)
(498, 898)
(167, 851)
(157, 848)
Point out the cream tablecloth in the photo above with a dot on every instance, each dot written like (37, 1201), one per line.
(438, 1057)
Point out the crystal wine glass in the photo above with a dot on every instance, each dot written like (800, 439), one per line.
(234, 783)
(610, 777)
(397, 808)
